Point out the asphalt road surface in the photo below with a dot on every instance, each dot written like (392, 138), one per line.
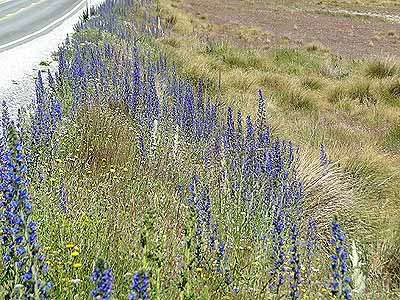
(25, 20)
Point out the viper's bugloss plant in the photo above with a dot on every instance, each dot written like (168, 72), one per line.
(139, 286)
(22, 257)
(323, 156)
(295, 262)
(103, 281)
(62, 198)
(340, 280)
(278, 252)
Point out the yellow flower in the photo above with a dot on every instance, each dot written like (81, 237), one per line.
(115, 177)
(58, 160)
(89, 190)
(75, 253)
(112, 170)
(77, 265)
(199, 269)
(323, 290)
(125, 169)
(47, 248)
(69, 246)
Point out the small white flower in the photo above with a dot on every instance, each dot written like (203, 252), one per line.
(75, 281)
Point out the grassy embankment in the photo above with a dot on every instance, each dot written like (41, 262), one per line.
(352, 106)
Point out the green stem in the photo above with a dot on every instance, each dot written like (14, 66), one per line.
(158, 284)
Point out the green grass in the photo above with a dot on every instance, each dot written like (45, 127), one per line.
(393, 138)
(381, 69)
(296, 98)
(390, 91)
(312, 83)
(361, 92)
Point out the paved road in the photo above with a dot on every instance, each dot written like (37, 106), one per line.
(25, 20)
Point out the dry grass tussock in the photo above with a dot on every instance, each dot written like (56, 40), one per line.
(382, 68)
(105, 135)
(327, 192)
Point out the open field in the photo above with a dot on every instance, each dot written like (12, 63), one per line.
(332, 7)
(277, 24)
(189, 151)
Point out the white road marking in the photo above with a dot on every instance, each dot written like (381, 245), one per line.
(21, 9)
(44, 28)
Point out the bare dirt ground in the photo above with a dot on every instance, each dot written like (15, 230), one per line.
(350, 36)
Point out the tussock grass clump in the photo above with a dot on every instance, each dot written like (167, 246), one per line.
(389, 252)
(233, 57)
(361, 91)
(393, 88)
(311, 83)
(333, 69)
(316, 47)
(381, 68)
(336, 94)
(296, 97)
(104, 135)
(274, 81)
(327, 191)
(215, 48)
(390, 91)
(246, 60)
(393, 138)
(170, 41)
(295, 61)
